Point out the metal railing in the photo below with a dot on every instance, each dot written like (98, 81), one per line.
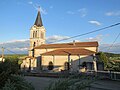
(106, 74)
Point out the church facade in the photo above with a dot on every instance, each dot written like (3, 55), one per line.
(75, 56)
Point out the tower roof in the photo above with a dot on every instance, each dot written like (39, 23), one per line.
(38, 21)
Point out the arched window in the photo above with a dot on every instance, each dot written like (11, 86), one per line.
(36, 34)
(34, 44)
(66, 66)
(33, 34)
(50, 65)
(84, 64)
(42, 35)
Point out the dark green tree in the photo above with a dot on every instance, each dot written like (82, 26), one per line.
(103, 58)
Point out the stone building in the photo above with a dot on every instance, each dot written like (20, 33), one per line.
(75, 56)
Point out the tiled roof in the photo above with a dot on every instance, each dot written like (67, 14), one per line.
(29, 57)
(73, 51)
(68, 45)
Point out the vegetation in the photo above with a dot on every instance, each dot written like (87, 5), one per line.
(109, 60)
(16, 82)
(112, 55)
(10, 78)
(75, 82)
(103, 58)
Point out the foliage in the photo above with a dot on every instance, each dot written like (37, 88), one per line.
(9, 85)
(114, 66)
(8, 67)
(11, 64)
(103, 58)
(16, 82)
(75, 82)
(3, 77)
(112, 55)
(9, 79)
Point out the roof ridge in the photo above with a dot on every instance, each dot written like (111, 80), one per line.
(62, 45)
(70, 43)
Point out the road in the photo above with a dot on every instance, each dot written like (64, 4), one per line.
(40, 83)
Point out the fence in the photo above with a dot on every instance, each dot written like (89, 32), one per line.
(107, 74)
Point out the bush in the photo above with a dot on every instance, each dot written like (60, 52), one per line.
(9, 79)
(75, 82)
(16, 82)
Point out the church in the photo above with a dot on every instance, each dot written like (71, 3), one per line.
(73, 56)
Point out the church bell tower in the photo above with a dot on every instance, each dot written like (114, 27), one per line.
(37, 34)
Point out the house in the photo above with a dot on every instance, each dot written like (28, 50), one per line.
(2, 59)
(73, 56)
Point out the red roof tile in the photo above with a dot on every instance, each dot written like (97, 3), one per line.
(74, 51)
(68, 45)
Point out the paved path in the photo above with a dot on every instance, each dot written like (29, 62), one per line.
(106, 85)
(41, 82)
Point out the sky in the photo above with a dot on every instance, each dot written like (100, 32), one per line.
(61, 18)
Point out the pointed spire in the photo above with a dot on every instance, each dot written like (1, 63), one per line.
(38, 21)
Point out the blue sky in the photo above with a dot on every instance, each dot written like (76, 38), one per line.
(61, 18)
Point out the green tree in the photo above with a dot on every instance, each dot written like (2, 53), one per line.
(103, 58)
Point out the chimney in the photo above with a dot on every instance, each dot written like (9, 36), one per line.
(73, 42)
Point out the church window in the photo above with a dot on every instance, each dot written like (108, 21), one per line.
(42, 35)
(36, 34)
(33, 34)
(34, 44)
(66, 66)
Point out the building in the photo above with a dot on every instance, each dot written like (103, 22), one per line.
(2, 59)
(58, 57)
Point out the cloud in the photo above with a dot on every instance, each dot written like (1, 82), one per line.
(108, 48)
(83, 12)
(70, 12)
(30, 2)
(97, 38)
(14, 41)
(113, 13)
(20, 49)
(95, 22)
(16, 46)
(55, 38)
(51, 7)
(42, 10)
(22, 46)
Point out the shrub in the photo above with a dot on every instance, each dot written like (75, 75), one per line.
(75, 82)
(16, 82)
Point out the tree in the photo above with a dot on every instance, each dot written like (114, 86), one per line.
(103, 58)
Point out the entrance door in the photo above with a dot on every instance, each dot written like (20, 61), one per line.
(66, 66)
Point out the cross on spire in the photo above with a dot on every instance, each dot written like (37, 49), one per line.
(38, 8)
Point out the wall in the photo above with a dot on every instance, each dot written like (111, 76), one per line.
(60, 60)
(26, 63)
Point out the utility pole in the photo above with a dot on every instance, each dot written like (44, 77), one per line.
(2, 54)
